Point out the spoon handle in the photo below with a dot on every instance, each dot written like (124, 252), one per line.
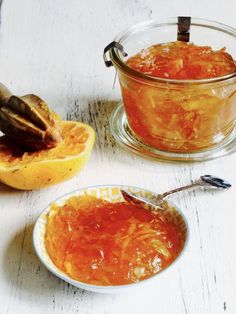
(156, 201)
(206, 181)
(185, 187)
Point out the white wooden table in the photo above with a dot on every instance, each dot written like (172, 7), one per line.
(54, 49)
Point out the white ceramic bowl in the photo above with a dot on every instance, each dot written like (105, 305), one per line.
(112, 194)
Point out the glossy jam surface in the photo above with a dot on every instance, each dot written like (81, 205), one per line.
(182, 61)
(103, 243)
(180, 118)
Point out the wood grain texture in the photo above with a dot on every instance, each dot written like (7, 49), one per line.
(54, 49)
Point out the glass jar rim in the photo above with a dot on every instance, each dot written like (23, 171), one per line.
(120, 64)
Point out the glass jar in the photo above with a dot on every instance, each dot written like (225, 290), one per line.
(169, 118)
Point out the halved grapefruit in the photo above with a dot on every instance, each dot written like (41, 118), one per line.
(33, 170)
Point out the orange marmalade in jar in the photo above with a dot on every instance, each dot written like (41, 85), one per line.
(178, 84)
(182, 118)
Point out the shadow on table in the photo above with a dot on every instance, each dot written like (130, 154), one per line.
(21, 266)
(5, 189)
(26, 273)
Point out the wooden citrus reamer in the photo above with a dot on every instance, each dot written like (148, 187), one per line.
(28, 120)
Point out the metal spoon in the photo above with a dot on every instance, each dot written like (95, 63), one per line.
(156, 202)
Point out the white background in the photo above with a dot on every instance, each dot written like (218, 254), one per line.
(54, 49)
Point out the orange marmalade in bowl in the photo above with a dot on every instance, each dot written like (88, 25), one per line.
(186, 117)
(102, 243)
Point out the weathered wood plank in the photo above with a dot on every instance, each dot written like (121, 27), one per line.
(54, 49)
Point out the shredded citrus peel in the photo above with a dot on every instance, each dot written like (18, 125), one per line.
(104, 243)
